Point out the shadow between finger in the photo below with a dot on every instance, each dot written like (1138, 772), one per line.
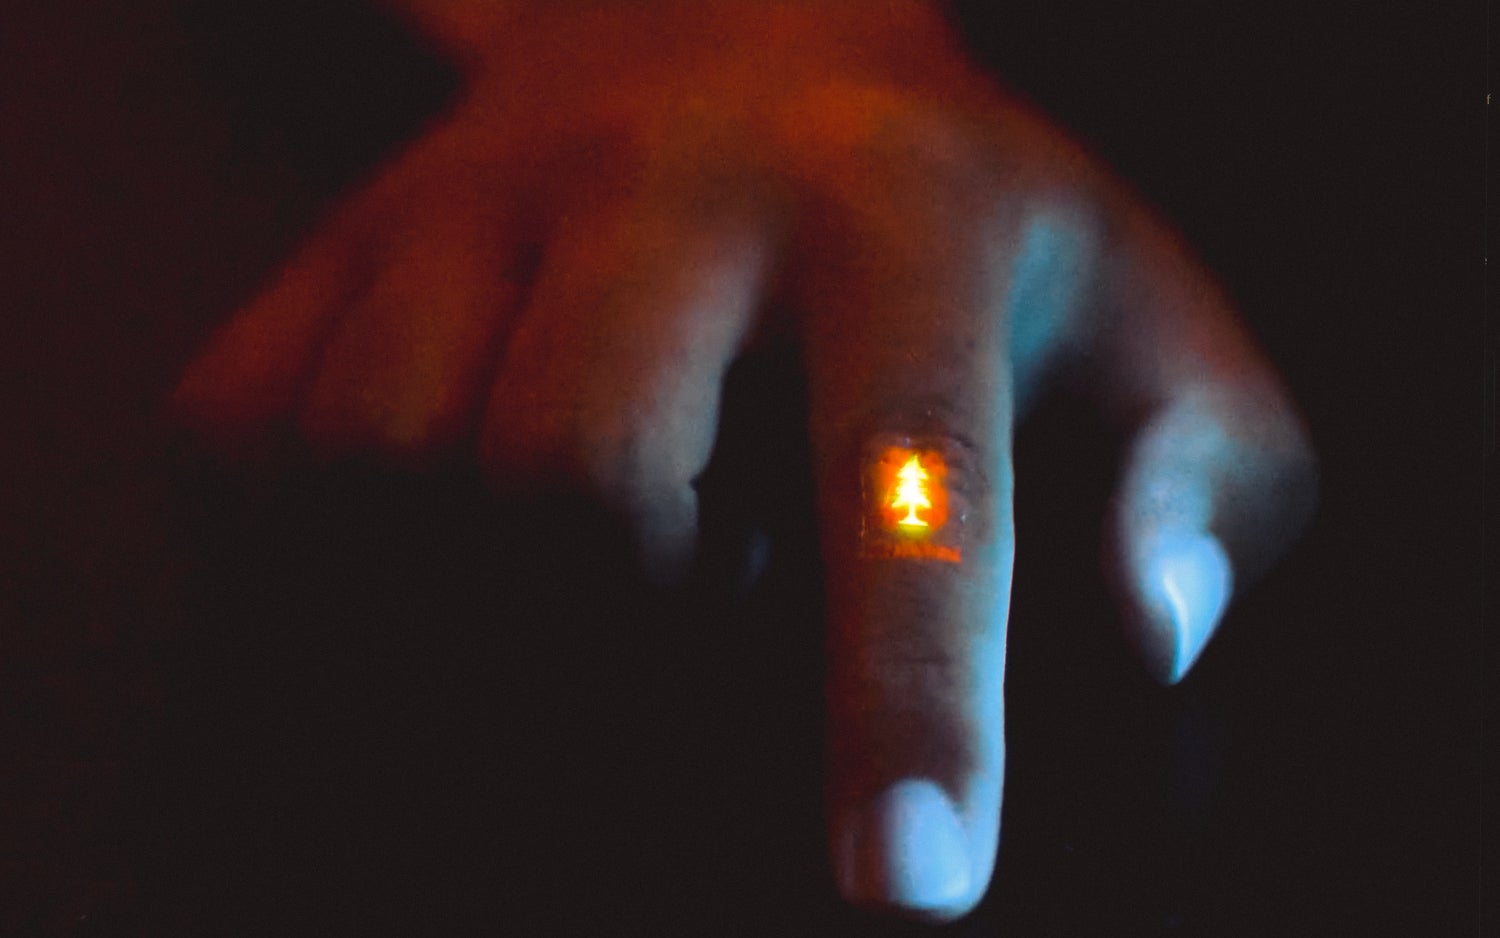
(404, 702)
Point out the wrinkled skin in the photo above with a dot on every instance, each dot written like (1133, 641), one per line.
(626, 198)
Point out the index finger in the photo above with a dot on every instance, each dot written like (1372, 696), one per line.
(911, 424)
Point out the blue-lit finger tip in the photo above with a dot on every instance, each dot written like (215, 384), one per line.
(910, 854)
(1189, 578)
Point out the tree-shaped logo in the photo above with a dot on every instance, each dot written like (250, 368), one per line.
(911, 493)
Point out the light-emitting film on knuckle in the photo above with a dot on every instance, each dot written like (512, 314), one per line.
(916, 499)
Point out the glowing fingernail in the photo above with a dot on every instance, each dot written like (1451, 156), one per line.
(1190, 577)
(912, 851)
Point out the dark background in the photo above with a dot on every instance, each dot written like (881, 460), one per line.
(353, 701)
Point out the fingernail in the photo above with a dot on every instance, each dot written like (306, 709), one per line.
(1192, 579)
(909, 850)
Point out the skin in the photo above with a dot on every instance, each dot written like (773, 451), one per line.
(626, 198)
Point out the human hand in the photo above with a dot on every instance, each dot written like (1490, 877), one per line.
(628, 197)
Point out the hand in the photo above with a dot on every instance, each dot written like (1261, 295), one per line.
(627, 197)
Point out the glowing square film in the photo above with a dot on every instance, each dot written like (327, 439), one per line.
(907, 513)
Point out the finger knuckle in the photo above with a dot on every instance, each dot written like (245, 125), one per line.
(611, 458)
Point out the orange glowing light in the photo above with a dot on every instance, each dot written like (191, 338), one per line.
(911, 492)
(906, 504)
(908, 491)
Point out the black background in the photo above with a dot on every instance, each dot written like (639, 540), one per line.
(360, 701)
